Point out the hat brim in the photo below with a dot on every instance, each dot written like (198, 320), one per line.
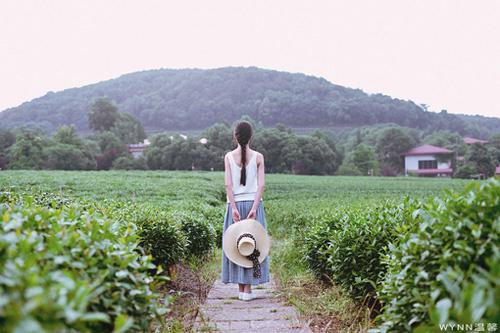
(234, 231)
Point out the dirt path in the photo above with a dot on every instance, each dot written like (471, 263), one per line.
(224, 312)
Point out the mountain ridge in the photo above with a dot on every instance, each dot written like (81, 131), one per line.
(184, 99)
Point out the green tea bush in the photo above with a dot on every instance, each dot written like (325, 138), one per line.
(316, 239)
(161, 235)
(459, 234)
(69, 270)
(347, 247)
(215, 216)
(200, 233)
(354, 251)
(467, 301)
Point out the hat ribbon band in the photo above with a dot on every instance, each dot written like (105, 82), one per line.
(254, 256)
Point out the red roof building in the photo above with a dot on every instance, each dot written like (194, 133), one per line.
(470, 141)
(427, 150)
(429, 161)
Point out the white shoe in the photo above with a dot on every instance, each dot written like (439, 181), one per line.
(248, 296)
(240, 295)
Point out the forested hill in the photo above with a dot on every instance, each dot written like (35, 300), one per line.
(186, 99)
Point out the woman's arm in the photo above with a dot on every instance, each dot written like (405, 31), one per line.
(261, 182)
(228, 181)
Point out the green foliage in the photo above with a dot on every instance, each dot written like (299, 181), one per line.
(7, 139)
(128, 128)
(68, 270)
(447, 139)
(347, 249)
(348, 168)
(284, 151)
(169, 99)
(361, 161)
(479, 156)
(199, 231)
(474, 300)
(103, 115)
(63, 156)
(130, 163)
(110, 147)
(160, 234)
(67, 135)
(465, 171)
(27, 152)
(317, 239)
(457, 237)
(391, 143)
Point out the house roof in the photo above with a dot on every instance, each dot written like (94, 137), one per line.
(432, 171)
(468, 140)
(427, 150)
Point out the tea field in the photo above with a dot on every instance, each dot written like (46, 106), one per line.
(87, 251)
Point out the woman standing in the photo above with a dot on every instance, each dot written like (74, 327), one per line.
(244, 180)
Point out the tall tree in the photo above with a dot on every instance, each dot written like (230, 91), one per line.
(67, 135)
(28, 151)
(363, 157)
(103, 115)
(481, 159)
(391, 143)
(128, 128)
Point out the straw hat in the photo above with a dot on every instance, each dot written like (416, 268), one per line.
(242, 238)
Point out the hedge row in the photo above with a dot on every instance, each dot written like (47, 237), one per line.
(458, 238)
(171, 234)
(77, 265)
(73, 270)
(427, 262)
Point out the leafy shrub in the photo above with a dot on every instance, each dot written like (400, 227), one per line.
(349, 250)
(215, 216)
(66, 270)
(199, 231)
(460, 234)
(317, 239)
(465, 171)
(469, 301)
(161, 235)
(355, 250)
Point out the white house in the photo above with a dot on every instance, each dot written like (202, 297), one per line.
(428, 160)
(137, 149)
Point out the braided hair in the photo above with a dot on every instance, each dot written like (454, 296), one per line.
(243, 134)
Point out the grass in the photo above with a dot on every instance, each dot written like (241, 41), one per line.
(325, 307)
(193, 282)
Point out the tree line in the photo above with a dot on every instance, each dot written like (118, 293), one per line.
(364, 151)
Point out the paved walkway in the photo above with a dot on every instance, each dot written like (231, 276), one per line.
(224, 312)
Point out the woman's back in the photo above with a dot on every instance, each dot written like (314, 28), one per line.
(247, 191)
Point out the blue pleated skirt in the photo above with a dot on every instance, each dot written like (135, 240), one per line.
(231, 272)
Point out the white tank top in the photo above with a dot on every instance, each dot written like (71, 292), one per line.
(248, 191)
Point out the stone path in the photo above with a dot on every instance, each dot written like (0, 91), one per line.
(224, 312)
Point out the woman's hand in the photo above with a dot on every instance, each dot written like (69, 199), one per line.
(236, 215)
(252, 214)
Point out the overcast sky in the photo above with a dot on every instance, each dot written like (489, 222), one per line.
(442, 53)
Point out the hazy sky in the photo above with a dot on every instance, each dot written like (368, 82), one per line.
(442, 53)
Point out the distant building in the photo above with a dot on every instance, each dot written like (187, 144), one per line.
(428, 161)
(497, 170)
(137, 149)
(471, 141)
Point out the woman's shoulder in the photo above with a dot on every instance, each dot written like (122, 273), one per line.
(230, 154)
(259, 156)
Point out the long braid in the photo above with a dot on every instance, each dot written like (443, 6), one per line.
(243, 176)
(243, 134)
